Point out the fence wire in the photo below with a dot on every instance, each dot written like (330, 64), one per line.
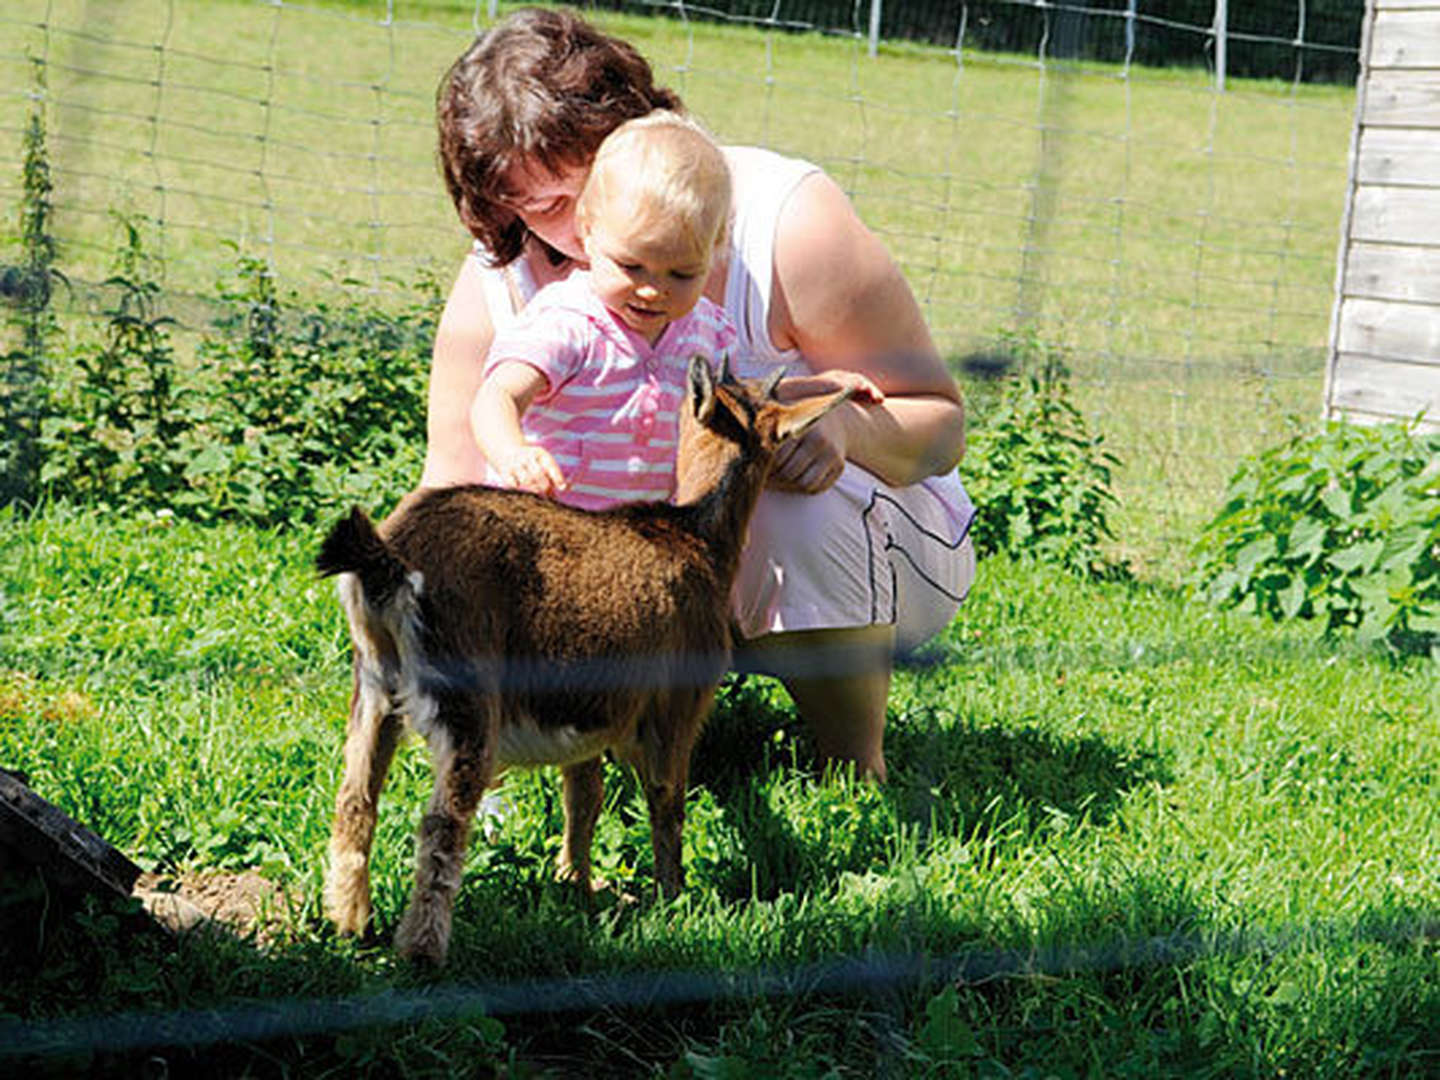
(1036, 175)
(870, 975)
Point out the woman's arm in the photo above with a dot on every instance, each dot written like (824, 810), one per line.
(461, 342)
(839, 297)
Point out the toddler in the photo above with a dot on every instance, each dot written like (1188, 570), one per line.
(580, 398)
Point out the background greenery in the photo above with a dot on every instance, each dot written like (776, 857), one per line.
(1178, 244)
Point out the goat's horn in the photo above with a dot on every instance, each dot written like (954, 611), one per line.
(767, 388)
(725, 375)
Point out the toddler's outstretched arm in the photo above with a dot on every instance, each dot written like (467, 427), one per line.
(501, 401)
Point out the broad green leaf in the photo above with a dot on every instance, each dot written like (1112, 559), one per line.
(1357, 556)
(1337, 501)
(1292, 597)
(1253, 553)
(1307, 538)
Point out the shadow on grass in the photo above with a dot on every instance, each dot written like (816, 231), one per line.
(1126, 967)
(798, 831)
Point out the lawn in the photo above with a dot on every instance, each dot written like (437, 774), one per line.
(1125, 834)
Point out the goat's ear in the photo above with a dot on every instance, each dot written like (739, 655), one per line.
(701, 382)
(767, 388)
(797, 418)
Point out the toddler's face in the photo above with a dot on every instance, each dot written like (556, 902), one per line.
(649, 272)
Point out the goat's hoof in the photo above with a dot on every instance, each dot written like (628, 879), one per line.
(347, 902)
(423, 937)
(583, 882)
(569, 875)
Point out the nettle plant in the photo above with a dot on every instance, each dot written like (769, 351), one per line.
(1341, 526)
(1040, 478)
(289, 412)
(308, 406)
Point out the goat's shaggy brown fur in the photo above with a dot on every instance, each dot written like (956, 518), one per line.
(512, 630)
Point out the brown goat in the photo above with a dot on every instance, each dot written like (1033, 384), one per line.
(513, 630)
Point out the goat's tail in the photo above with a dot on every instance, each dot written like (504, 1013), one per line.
(355, 547)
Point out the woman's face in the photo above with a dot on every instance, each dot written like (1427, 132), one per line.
(545, 202)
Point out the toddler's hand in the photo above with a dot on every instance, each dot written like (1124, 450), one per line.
(530, 468)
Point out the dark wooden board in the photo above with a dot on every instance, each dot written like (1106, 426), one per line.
(40, 833)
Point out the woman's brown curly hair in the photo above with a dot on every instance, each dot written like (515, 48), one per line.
(540, 86)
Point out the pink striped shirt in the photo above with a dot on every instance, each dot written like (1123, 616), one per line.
(610, 416)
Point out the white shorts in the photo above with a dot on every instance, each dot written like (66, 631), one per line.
(860, 554)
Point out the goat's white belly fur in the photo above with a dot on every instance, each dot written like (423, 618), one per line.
(524, 743)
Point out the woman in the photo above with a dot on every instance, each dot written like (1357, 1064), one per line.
(861, 547)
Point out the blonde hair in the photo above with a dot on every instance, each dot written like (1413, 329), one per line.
(672, 169)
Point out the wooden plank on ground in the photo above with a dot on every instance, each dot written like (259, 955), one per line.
(44, 835)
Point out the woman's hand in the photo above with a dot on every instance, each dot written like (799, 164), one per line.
(863, 390)
(813, 462)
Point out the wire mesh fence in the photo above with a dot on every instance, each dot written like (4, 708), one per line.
(1033, 173)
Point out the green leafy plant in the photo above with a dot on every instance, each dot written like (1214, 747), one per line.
(113, 436)
(1040, 478)
(308, 407)
(1340, 525)
(288, 412)
(28, 286)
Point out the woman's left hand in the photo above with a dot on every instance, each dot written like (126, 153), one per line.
(813, 462)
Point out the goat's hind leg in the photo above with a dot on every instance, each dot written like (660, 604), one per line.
(372, 734)
(462, 741)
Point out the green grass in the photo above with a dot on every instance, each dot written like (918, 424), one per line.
(1152, 838)
(1179, 243)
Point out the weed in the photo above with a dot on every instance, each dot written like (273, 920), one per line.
(1041, 480)
(1341, 526)
(113, 435)
(28, 287)
(288, 413)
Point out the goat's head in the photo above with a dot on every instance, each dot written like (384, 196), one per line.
(726, 418)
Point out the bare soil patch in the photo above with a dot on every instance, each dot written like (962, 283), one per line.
(244, 903)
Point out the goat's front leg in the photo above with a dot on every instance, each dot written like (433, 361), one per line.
(583, 787)
(462, 748)
(667, 828)
(373, 732)
(665, 770)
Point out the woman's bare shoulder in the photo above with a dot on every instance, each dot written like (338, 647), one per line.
(843, 299)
